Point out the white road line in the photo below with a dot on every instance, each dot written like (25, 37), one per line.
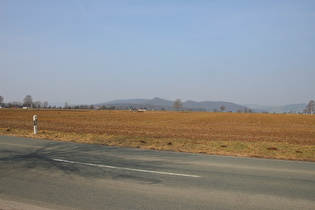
(127, 169)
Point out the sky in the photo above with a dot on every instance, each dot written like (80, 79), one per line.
(86, 52)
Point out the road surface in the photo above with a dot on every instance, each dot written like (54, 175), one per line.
(42, 174)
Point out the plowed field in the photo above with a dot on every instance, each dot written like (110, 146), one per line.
(213, 133)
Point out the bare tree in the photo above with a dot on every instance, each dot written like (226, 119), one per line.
(45, 104)
(37, 104)
(1, 100)
(310, 107)
(178, 104)
(66, 105)
(222, 108)
(28, 101)
(15, 104)
(247, 110)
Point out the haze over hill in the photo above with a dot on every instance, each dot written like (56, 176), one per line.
(162, 104)
(295, 108)
(209, 106)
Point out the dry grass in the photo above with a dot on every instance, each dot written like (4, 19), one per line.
(252, 135)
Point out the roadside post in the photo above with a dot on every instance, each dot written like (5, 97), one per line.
(35, 124)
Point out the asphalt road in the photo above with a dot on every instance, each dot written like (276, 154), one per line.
(41, 174)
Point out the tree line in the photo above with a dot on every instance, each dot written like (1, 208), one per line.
(28, 102)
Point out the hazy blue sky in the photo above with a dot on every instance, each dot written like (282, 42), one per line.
(91, 51)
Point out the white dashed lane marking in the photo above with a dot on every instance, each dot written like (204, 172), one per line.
(127, 169)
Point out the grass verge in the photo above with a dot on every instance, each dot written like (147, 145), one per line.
(258, 149)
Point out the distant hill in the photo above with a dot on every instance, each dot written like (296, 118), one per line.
(128, 101)
(296, 108)
(212, 105)
(162, 104)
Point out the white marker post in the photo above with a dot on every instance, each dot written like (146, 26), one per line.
(35, 124)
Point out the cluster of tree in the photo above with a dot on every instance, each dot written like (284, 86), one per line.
(93, 107)
(27, 102)
(223, 108)
(246, 110)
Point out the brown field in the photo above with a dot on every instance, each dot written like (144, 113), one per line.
(277, 136)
